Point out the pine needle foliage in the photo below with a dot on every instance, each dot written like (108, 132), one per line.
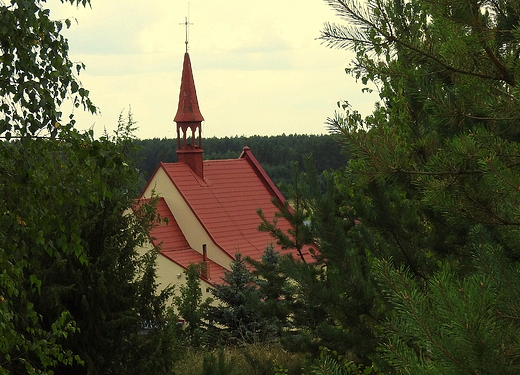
(296, 212)
(453, 324)
(331, 300)
(428, 202)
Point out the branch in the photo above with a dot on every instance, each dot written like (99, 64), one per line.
(500, 177)
(505, 75)
(348, 37)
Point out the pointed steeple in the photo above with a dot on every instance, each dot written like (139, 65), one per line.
(188, 110)
(189, 122)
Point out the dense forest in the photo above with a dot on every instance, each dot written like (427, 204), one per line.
(276, 154)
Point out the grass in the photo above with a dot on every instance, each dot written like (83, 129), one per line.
(256, 359)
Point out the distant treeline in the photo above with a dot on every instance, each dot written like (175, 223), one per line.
(275, 153)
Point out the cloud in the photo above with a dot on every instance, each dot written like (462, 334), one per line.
(258, 67)
(109, 27)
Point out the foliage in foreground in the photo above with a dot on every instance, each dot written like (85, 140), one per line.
(36, 74)
(459, 325)
(74, 290)
(418, 236)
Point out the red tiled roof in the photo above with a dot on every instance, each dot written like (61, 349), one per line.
(185, 257)
(227, 200)
(169, 235)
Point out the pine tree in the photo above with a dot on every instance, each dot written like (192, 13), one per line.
(332, 301)
(295, 212)
(437, 158)
(435, 164)
(453, 324)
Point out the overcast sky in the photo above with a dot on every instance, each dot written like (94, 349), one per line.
(258, 67)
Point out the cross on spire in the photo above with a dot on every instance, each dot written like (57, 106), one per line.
(187, 25)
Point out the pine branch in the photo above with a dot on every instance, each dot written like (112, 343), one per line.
(500, 176)
(341, 37)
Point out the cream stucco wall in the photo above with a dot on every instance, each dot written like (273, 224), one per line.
(170, 273)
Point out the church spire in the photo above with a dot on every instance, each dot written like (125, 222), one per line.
(188, 109)
(189, 122)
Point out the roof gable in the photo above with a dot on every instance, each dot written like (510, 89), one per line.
(173, 244)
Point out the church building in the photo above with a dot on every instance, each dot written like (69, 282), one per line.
(210, 205)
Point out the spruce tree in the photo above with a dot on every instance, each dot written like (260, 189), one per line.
(235, 319)
(273, 301)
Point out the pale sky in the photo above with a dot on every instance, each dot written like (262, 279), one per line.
(258, 67)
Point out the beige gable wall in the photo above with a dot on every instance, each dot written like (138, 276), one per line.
(188, 222)
(170, 273)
